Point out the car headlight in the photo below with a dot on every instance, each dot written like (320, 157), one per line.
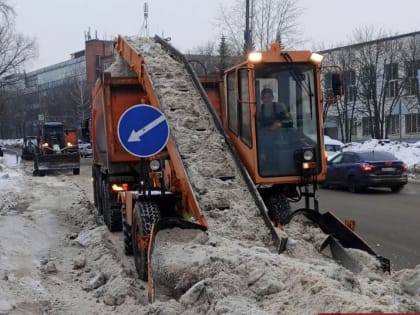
(154, 165)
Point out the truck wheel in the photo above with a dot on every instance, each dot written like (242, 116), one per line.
(145, 214)
(127, 233)
(36, 169)
(114, 220)
(278, 207)
(397, 188)
(353, 186)
(76, 171)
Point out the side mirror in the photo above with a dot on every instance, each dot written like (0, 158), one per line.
(337, 84)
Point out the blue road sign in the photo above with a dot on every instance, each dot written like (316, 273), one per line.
(143, 130)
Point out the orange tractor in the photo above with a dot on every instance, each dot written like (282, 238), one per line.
(148, 133)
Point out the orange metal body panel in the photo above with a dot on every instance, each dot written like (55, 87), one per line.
(214, 88)
(117, 96)
(70, 135)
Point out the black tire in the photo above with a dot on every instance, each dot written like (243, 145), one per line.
(352, 185)
(76, 171)
(145, 214)
(36, 168)
(397, 188)
(324, 185)
(114, 220)
(278, 207)
(127, 233)
(111, 215)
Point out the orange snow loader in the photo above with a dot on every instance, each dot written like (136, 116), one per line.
(57, 149)
(147, 129)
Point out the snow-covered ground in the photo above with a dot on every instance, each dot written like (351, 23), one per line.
(56, 257)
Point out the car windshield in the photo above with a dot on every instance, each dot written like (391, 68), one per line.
(332, 147)
(377, 156)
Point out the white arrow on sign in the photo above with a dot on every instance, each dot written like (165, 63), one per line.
(135, 135)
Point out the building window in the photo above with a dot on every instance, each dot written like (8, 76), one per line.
(366, 126)
(350, 85)
(412, 123)
(411, 71)
(368, 82)
(391, 77)
(353, 126)
(351, 92)
(394, 124)
(98, 61)
(328, 91)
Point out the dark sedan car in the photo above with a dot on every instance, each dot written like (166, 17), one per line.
(358, 170)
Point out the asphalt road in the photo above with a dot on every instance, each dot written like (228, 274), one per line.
(388, 222)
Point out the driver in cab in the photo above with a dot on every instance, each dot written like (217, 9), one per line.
(274, 121)
(273, 115)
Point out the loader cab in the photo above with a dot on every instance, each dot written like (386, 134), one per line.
(52, 133)
(287, 148)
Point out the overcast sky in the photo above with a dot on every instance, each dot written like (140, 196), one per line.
(60, 25)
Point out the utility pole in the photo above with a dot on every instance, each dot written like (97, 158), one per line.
(144, 31)
(248, 32)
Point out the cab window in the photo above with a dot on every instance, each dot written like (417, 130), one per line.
(232, 111)
(244, 107)
(238, 110)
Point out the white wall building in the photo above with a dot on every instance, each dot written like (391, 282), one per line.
(381, 84)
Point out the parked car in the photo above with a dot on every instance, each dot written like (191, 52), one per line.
(85, 149)
(332, 146)
(358, 170)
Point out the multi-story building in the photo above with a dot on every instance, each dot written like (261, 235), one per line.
(381, 90)
(60, 92)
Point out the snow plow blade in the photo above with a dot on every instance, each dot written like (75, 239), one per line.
(58, 161)
(164, 224)
(339, 238)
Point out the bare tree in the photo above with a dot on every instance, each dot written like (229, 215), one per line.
(374, 81)
(15, 48)
(77, 91)
(380, 85)
(207, 49)
(344, 108)
(271, 21)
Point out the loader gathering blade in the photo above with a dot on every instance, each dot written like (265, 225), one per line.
(340, 237)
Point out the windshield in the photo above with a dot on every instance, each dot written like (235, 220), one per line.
(332, 147)
(286, 116)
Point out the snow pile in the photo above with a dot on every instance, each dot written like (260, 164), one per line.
(202, 273)
(10, 177)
